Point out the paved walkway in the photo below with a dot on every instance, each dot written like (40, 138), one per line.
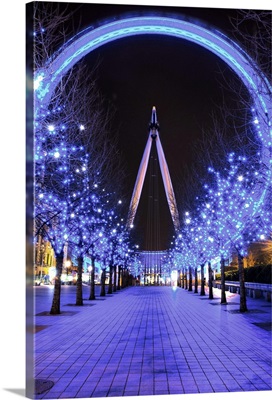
(151, 340)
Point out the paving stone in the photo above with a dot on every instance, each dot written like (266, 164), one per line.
(149, 340)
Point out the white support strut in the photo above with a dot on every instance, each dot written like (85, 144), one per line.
(168, 185)
(153, 135)
(139, 184)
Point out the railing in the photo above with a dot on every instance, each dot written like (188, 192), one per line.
(254, 290)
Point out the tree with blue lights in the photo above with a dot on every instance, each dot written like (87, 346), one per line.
(184, 255)
(237, 217)
(114, 232)
(58, 194)
(217, 235)
(124, 256)
(194, 243)
(74, 151)
(65, 174)
(89, 232)
(112, 253)
(207, 247)
(245, 129)
(96, 244)
(180, 254)
(201, 245)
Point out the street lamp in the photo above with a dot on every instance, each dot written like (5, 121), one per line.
(67, 265)
(90, 268)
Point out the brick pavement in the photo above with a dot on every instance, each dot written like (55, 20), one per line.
(151, 341)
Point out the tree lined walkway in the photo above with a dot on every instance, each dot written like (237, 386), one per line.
(151, 340)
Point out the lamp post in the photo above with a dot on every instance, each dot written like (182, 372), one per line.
(90, 270)
(67, 265)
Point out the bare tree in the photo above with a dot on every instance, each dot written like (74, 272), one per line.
(252, 28)
(53, 26)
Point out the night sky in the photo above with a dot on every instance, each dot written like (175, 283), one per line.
(184, 82)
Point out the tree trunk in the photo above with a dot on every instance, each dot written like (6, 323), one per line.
(110, 281)
(92, 287)
(55, 308)
(202, 291)
(183, 278)
(190, 289)
(79, 296)
(123, 284)
(186, 280)
(196, 281)
(243, 305)
(103, 280)
(119, 278)
(223, 292)
(179, 279)
(124, 278)
(114, 278)
(210, 281)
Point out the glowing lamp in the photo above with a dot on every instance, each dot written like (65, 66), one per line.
(37, 82)
(51, 128)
